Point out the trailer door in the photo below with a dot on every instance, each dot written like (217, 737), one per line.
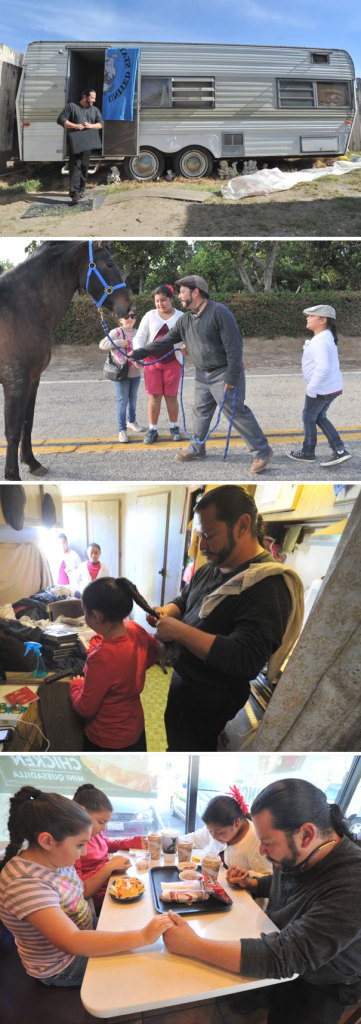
(121, 137)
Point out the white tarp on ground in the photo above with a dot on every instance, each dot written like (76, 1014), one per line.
(262, 183)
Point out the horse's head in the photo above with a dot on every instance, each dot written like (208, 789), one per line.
(104, 281)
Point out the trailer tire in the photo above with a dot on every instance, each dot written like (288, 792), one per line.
(147, 166)
(193, 162)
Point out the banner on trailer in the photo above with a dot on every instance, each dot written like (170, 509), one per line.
(119, 83)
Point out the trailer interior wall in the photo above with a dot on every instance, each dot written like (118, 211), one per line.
(246, 82)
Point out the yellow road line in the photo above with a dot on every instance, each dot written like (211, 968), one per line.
(90, 445)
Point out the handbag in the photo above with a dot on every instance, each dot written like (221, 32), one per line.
(239, 732)
(115, 371)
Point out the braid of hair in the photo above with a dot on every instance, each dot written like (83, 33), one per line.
(15, 843)
(133, 592)
(339, 823)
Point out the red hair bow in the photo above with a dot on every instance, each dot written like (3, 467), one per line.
(234, 791)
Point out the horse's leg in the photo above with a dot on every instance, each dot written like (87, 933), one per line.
(26, 451)
(16, 394)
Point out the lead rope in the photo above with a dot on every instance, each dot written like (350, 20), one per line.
(107, 291)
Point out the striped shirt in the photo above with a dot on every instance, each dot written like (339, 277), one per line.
(26, 887)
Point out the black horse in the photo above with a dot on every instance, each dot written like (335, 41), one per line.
(33, 299)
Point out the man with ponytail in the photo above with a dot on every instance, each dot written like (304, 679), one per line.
(314, 901)
(241, 611)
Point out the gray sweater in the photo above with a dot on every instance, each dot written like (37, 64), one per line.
(319, 917)
(212, 339)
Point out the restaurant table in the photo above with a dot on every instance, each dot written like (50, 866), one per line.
(150, 978)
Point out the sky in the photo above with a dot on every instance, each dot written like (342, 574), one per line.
(312, 23)
(13, 249)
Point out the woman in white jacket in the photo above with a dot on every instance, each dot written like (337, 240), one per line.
(321, 371)
(229, 831)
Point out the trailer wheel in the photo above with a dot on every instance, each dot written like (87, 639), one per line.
(147, 166)
(193, 162)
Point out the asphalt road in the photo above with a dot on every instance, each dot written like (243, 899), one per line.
(75, 432)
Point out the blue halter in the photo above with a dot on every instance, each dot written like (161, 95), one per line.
(93, 269)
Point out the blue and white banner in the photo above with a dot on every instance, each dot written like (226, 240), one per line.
(119, 83)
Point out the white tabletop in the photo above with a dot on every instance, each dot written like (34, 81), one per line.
(150, 977)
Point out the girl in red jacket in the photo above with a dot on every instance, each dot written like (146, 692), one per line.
(95, 867)
(114, 675)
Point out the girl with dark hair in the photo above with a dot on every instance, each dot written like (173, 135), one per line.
(229, 831)
(95, 866)
(162, 377)
(42, 898)
(126, 390)
(321, 371)
(114, 674)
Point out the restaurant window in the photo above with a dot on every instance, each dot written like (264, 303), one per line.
(148, 791)
(178, 92)
(252, 772)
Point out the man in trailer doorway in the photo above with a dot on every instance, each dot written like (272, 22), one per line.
(241, 611)
(80, 117)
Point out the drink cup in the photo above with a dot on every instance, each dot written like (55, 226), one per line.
(154, 845)
(211, 864)
(169, 844)
(185, 847)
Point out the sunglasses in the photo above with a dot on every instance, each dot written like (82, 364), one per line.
(130, 316)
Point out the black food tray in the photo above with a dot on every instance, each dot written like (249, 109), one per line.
(171, 874)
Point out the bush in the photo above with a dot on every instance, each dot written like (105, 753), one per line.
(265, 315)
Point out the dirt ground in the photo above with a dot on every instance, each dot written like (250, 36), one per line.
(327, 207)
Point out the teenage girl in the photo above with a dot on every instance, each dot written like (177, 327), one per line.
(229, 830)
(322, 374)
(95, 865)
(42, 898)
(114, 674)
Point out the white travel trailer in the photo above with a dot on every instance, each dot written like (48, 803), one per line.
(194, 104)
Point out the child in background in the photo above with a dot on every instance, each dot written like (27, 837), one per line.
(42, 898)
(114, 675)
(229, 831)
(95, 866)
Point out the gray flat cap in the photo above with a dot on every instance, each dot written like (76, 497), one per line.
(321, 311)
(193, 281)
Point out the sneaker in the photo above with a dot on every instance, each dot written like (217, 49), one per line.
(151, 436)
(176, 434)
(123, 437)
(300, 456)
(336, 457)
(135, 427)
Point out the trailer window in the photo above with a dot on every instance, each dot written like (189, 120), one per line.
(193, 92)
(155, 92)
(320, 58)
(293, 92)
(333, 94)
(178, 92)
